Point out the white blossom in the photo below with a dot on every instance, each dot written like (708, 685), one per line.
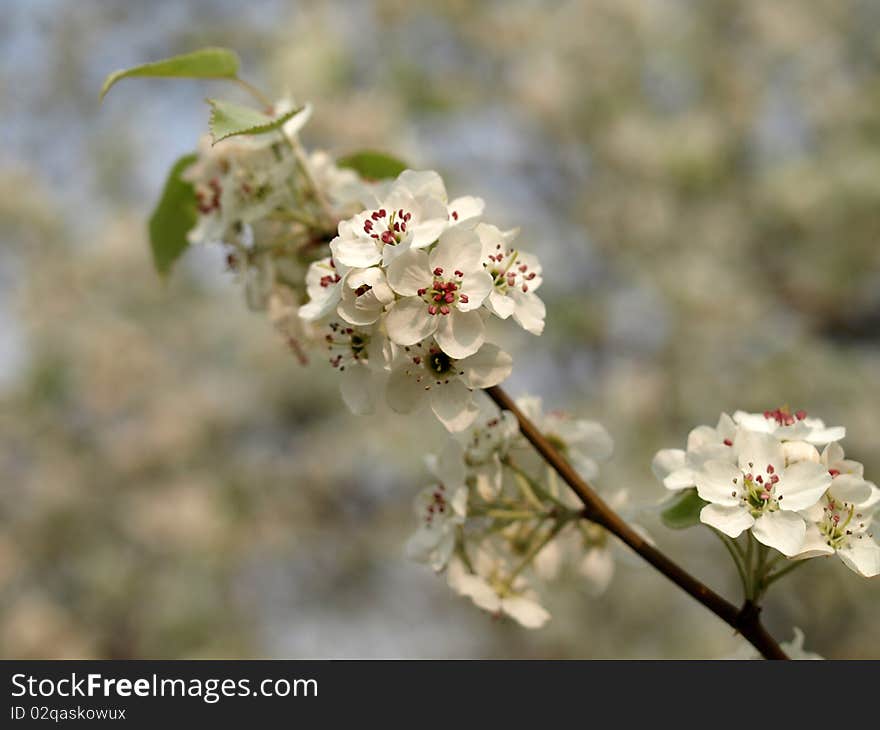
(441, 509)
(440, 295)
(425, 373)
(841, 522)
(486, 443)
(516, 276)
(676, 468)
(585, 444)
(788, 426)
(412, 214)
(491, 588)
(761, 492)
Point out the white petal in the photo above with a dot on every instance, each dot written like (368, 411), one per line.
(356, 252)
(682, 479)
(453, 405)
(359, 310)
(757, 451)
(450, 467)
(850, 488)
(459, 334)
(356, 386)
(526, 612)
(477, 286)
(598, 566)
(465, 208)
(701, 436)
(715, 483)
(814, 544)
(459, 248)
(422, 183)
(802, 485)
(861, 556)
(472, 586)
(403, 391)
(826, 435)
(488, 366)
(784, 531)
(430, 219)
(319, 308)
(729, 520)
(755, 422)
(530, 312)
(409, 272)
(500, 305)
(408, 322)
(667, 461)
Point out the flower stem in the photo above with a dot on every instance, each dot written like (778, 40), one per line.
(746, 620)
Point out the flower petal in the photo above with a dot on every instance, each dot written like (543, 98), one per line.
(409, 272)
(814, 545)
(454, 406)
(459, 334)
(403, 391)
(488, 366)
(598, 567)
(500, 305)
(459, 248)
(784, 531)
(850, 488)
(408, 322)
(667, 461)
(757, 451)
(356, 386)
(529, 312)
(356, 252)
(719, 482)
(477, 287)
(526, 612)
(729, 520)
(802, 485)
(861, 556)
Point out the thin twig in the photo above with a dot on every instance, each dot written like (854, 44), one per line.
(745, 620)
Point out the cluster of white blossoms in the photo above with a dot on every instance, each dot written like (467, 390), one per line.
(497, 519)
(415, 278)
(765, 473)
(401, 296)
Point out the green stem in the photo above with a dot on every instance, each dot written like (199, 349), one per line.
(534, 549)
(750, 567)
(255, 92)
(736, 554)
(535, 487)
(772, 578)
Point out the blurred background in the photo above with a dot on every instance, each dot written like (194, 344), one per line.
(700, 179)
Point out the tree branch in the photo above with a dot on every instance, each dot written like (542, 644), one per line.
(745, 620)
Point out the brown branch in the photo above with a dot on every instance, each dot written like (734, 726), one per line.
(745, 620)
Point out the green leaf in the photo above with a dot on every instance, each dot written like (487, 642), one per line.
(206, 63)
(229, 120)
(372, 165)
(174, 217)
(683, 510)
